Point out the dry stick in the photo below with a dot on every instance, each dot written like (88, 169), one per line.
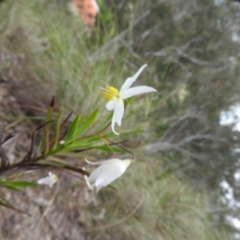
(3, 156)
(118, 144)
(66, 119)
(98, 133)
(29, 154)
(13, 208)
(89, 148)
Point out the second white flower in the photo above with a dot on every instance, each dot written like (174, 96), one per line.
(107, 172)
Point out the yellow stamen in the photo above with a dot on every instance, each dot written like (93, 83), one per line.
(110, 93)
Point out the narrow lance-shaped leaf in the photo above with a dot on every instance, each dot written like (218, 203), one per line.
(58, 129)
(85, 141)
(87, 123)
(16, 185)
(47, 127)
(72, 128)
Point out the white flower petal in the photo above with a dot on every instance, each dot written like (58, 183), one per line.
(113, 126)
(110, 105)
(118, 112)
(45, 181)
(129, 81)
(50, 180)
(108, 178)
(136, 91)
(108, 172)
(104, 169)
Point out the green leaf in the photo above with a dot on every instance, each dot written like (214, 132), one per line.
(47, 127)
(84, 142)
(80, 125)
(129, 100)
(23, 184)
(87, 123)
(15, 185)
(72, 128)
(58, 126)
(109, 148)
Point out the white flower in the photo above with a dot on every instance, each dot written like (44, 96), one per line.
(116, 97)
(107, 172)
(50, 180)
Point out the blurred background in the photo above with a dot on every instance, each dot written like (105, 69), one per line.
(185, 182)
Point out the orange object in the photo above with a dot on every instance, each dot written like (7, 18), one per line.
(88, 10)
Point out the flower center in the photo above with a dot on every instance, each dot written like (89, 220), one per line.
(55, 178)
(110, 93)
